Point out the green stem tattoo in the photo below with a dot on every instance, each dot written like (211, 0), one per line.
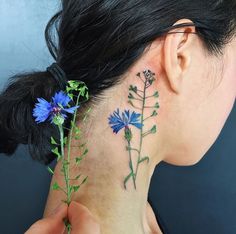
(149, 78)
(131, 167)
(141, 131)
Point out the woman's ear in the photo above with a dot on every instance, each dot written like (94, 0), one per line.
(178, 45)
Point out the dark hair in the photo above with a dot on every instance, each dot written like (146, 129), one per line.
(98, 40)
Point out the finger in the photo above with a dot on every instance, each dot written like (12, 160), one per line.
(82, 220)
(52, 224)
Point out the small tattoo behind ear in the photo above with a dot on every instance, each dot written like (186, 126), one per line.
(137, 99)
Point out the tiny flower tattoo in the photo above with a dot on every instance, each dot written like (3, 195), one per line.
(126, 118)
(57, 107)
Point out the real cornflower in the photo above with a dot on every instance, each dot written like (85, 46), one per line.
(58, 107)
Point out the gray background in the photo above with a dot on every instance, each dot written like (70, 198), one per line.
(200, 199)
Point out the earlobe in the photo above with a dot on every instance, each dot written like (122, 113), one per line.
(177, 54)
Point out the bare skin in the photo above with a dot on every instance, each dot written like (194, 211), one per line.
(152, 222)
(193, 112)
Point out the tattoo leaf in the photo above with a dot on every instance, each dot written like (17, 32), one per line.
(127, 178)
(144, 159)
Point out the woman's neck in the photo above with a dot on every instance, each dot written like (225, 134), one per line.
(117, 210)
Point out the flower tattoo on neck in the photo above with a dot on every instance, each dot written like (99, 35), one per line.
(128, 119)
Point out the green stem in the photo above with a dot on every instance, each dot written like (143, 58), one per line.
(136, 99)
(133, 149)
(146, 133)
(131, 164)
(141, 131)
(148, 118)
(65, 170)
(138, 95)
(69, 146)
(140, 90)
(63, 158)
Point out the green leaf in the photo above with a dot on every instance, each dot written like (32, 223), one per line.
(82, 145)
(154, 113)
(68, 89)
(83, 89)
(87, 96)
(72, 124)
(144, 159)
(157, 105)
(133, 88)
(53, 142)
(55, 151)
(76, 187)
(50, 170)
(77, 131)
(77, 177)
(77, 137)
(65, 140)
(131, 96)
(131, 103)
(66, 162)
(151, 81)
(74, 84)
(84, 180)
(55, 186)
(71, 95)
(153, 129)
(156, 94)
(85, 152)
(127, 178)
(78, 160)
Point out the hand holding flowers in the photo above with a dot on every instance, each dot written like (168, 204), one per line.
(56, 111)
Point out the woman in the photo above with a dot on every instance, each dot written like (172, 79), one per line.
(169, 63)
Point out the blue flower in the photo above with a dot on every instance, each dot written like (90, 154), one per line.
(57, 107)
(118, 121)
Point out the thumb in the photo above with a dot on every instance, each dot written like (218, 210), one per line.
(82, 220)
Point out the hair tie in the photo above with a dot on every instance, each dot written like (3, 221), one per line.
(58, 74)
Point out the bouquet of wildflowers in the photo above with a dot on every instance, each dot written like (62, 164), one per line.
(56, 111)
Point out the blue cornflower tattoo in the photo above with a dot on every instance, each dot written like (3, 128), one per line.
(126, 118)
(57, 107)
